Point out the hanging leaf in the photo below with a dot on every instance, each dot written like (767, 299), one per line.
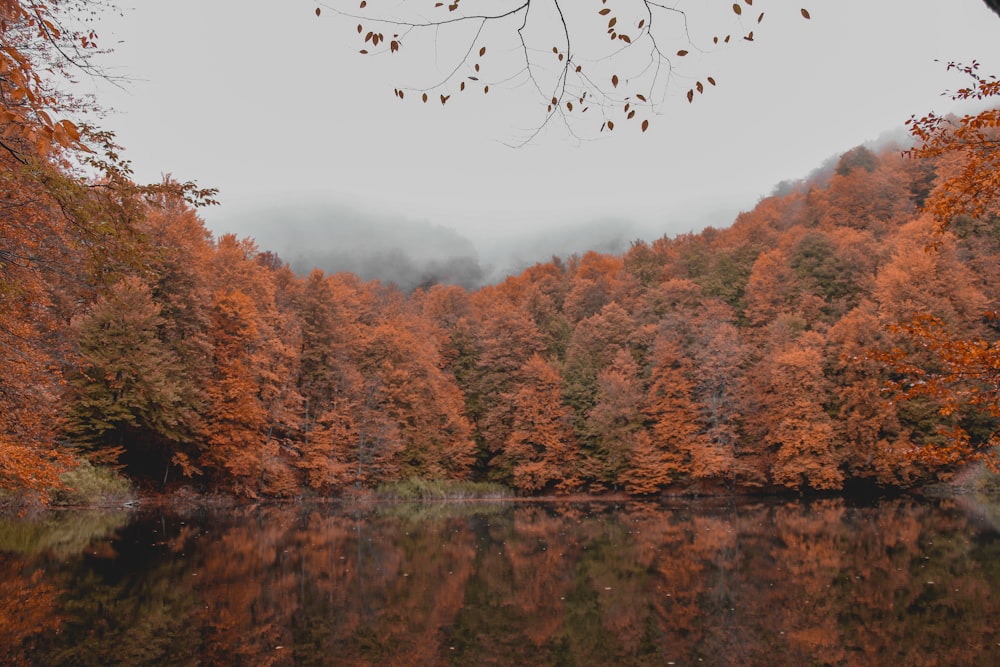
(645, 125)
(805, 13)
(737, 9)
(614, 80)
(682, 53)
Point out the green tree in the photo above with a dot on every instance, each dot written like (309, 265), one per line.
(126, 402)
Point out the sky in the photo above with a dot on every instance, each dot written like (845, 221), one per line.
(276, 108)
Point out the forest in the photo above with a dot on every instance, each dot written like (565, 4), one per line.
(840, 334)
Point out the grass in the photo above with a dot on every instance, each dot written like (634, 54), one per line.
(415, 489)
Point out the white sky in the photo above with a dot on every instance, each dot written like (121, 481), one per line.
(274, 106)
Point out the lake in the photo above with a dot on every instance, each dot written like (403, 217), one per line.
(822, 582)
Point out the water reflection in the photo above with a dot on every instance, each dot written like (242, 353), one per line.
(822, 583)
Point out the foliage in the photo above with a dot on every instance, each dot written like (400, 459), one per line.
(968, 151)
(752, 356)
(88, 485)
(619, 58)
(955, 368)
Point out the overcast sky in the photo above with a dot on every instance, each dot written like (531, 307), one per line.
(275, 107)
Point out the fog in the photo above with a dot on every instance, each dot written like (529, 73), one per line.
(418, 253)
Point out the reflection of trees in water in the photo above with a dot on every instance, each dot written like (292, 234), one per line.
(798, 583)
(61, 534)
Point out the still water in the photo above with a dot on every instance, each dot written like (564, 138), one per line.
(828, 582)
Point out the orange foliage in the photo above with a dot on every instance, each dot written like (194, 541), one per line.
(754, 355)
(541, 450)
(966, 152)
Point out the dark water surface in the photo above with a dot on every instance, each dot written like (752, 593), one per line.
(828, 582)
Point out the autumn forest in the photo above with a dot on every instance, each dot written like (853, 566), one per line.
(837, 335)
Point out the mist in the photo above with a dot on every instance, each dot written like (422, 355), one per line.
(413, 253)
(337, 239)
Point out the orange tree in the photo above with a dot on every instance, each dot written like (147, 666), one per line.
(68, 210)
(963, 372)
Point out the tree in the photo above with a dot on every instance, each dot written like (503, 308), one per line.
(966, 150)
(618, 58)
(958, 373)
(423, 403)
(800, 429)
(541, 451)
(126, 397)
(675, 426)
(507, 338)
(251, 399)
(35, 45)
(876, 445)
(614, 423)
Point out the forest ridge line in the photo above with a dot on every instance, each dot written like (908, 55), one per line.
(843, 331)
(737, 358)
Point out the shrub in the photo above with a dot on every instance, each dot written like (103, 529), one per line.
(88, 485)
